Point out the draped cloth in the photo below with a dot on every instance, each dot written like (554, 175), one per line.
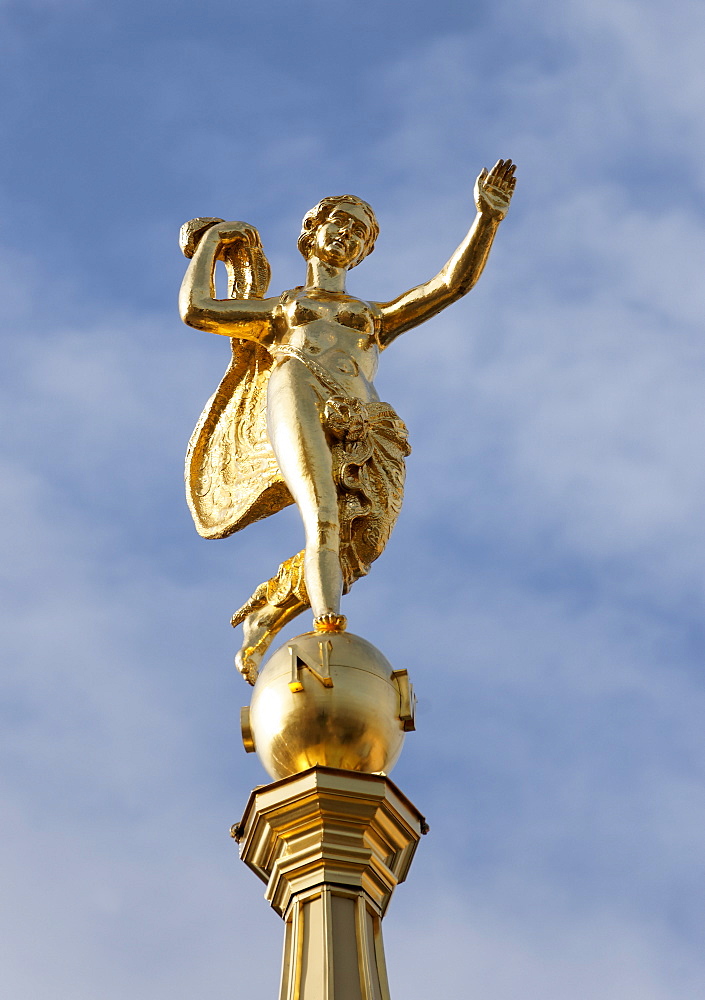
(232, 476)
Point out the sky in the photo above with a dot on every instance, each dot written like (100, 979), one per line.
(544, 584)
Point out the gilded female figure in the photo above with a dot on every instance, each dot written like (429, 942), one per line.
(296, 417)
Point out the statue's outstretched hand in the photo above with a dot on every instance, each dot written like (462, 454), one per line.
(494, 190)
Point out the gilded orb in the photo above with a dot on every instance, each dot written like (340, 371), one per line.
(329, 699)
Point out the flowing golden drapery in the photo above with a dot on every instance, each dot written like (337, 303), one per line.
(232, 476)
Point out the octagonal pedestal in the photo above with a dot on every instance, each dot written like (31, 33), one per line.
(332, 845)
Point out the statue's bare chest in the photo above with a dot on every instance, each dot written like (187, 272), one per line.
(337, 330)
(303, 309)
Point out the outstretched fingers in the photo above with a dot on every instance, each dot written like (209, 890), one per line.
(502, 175)
(494, 189)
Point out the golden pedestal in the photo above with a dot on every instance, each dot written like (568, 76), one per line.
(331, 845)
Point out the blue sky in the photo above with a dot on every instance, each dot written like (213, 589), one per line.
(544, 584)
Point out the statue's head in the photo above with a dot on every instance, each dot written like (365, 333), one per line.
(352, 215)
(248, 268)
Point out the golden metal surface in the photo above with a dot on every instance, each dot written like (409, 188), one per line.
(330, 623)
(407, 700)
(331, 846)
(301, 658)
(330, 699)
(248, 740)
(296, 417)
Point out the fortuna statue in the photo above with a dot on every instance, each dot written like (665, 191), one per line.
(296, 418)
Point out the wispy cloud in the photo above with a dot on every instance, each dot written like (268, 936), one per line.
(544, 584)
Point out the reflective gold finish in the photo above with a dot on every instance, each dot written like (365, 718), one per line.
(330, 623)
(331, 846)
(296, 417)
(407, 703)
(248, 740)
(329, 699)
(301, 657)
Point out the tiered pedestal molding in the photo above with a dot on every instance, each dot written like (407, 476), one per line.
(332, 846)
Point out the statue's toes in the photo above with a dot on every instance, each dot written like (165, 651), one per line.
(247, 662)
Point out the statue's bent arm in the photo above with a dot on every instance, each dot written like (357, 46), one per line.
(249, 318)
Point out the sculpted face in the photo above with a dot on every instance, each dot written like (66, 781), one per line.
(340, 239)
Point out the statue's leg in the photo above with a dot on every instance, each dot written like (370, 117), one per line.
(294, 406)
(259, 628)
(271, 607)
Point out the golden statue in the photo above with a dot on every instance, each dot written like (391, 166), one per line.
(296, 418)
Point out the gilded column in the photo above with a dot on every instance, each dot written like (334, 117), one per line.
(331, 845)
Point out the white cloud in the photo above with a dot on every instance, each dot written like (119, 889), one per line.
(536, 947)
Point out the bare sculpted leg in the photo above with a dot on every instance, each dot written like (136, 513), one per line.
(294, 405)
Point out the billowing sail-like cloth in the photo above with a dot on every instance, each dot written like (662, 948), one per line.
(232, 476)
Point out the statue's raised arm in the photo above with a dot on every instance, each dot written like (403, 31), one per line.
(493, 193)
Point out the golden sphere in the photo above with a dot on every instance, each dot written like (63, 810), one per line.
(330, 699)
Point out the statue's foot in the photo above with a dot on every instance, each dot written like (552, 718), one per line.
(259, 629)
(247, 662)
(257, 636)
(330, 623)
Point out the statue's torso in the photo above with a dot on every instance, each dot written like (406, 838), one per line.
(336, 332)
